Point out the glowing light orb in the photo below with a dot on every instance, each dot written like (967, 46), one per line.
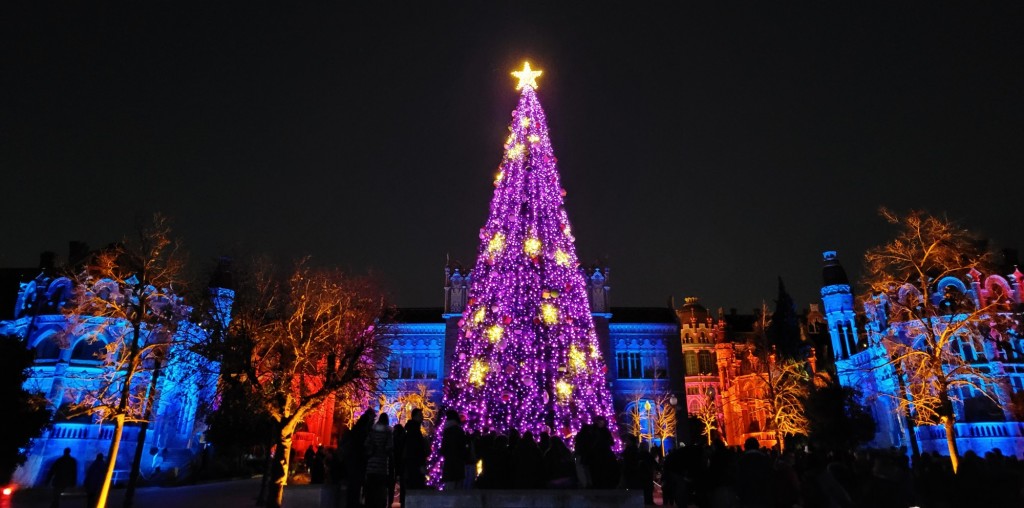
(477, 372)
(533, 138)
(479, 316)
(561, 257)
(527, 77)
(563, 389)
(549, 313)
(532, 246)
(577, 359)
(516, 151)
(495, 333)
(497, 243)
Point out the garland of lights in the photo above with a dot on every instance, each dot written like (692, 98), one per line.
(527, 355)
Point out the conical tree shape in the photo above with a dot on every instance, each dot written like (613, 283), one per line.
(784, 330)
(527, 356)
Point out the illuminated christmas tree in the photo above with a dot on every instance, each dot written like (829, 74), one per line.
(527, 355)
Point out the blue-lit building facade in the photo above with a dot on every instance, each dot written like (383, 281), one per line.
(67, 367)
(861, 361)
(640, 345)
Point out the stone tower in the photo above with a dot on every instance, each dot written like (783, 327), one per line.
(839, 311)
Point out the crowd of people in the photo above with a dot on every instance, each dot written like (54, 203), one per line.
(755, 477)
(378, 461)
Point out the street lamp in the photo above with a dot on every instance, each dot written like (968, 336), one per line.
(674, 401)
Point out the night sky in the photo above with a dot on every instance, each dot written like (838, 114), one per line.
(705, 151)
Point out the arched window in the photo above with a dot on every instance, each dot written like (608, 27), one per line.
(47, 350)
(88, 350)
(999, 293)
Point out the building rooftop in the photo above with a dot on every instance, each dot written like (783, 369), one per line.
(419, 315)
(643, 315)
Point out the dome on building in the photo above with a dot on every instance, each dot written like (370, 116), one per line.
(833, 273)
(691, 309)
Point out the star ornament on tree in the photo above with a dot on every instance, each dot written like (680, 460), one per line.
(527, 77)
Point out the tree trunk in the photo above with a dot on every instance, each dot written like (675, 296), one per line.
(122, 410)
(915, 449)
(948, 420)
(954, 455)
(281, 467)
(115, 444)
(140, 442)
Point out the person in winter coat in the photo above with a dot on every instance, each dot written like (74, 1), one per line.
(353, 454)
(454, 450)
(94, 477)
(380, 448)
(63, 475)
(559, 469)
(414, 456)
(604, 466)
(398, 437)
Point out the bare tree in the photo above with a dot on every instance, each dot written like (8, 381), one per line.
(781, 388)
(924, 327)
(707, 415)
(640, 413)
(664, 419)
(127, 297)
(784, 387)
(315, 335)
(651, 417)
(402, 405)
(348, 406)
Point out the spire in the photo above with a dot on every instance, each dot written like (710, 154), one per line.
(833, 272)
(221, 277)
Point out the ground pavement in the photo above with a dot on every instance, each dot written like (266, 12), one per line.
(226, 494)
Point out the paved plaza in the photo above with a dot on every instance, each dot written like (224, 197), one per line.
(226, 494)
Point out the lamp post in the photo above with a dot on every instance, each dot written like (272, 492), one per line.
(674, 401)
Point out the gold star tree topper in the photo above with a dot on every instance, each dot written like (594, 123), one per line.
(527, 77)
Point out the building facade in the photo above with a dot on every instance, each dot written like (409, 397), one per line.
(67, 367)
(684, 358)
(640, 346)
(857, 345)
(726, 358)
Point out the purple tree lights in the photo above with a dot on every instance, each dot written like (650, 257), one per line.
(527, 355)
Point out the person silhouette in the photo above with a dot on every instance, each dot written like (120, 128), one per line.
(63, 475)
(94, 478)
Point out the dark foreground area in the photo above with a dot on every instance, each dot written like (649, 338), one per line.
(226, 494)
